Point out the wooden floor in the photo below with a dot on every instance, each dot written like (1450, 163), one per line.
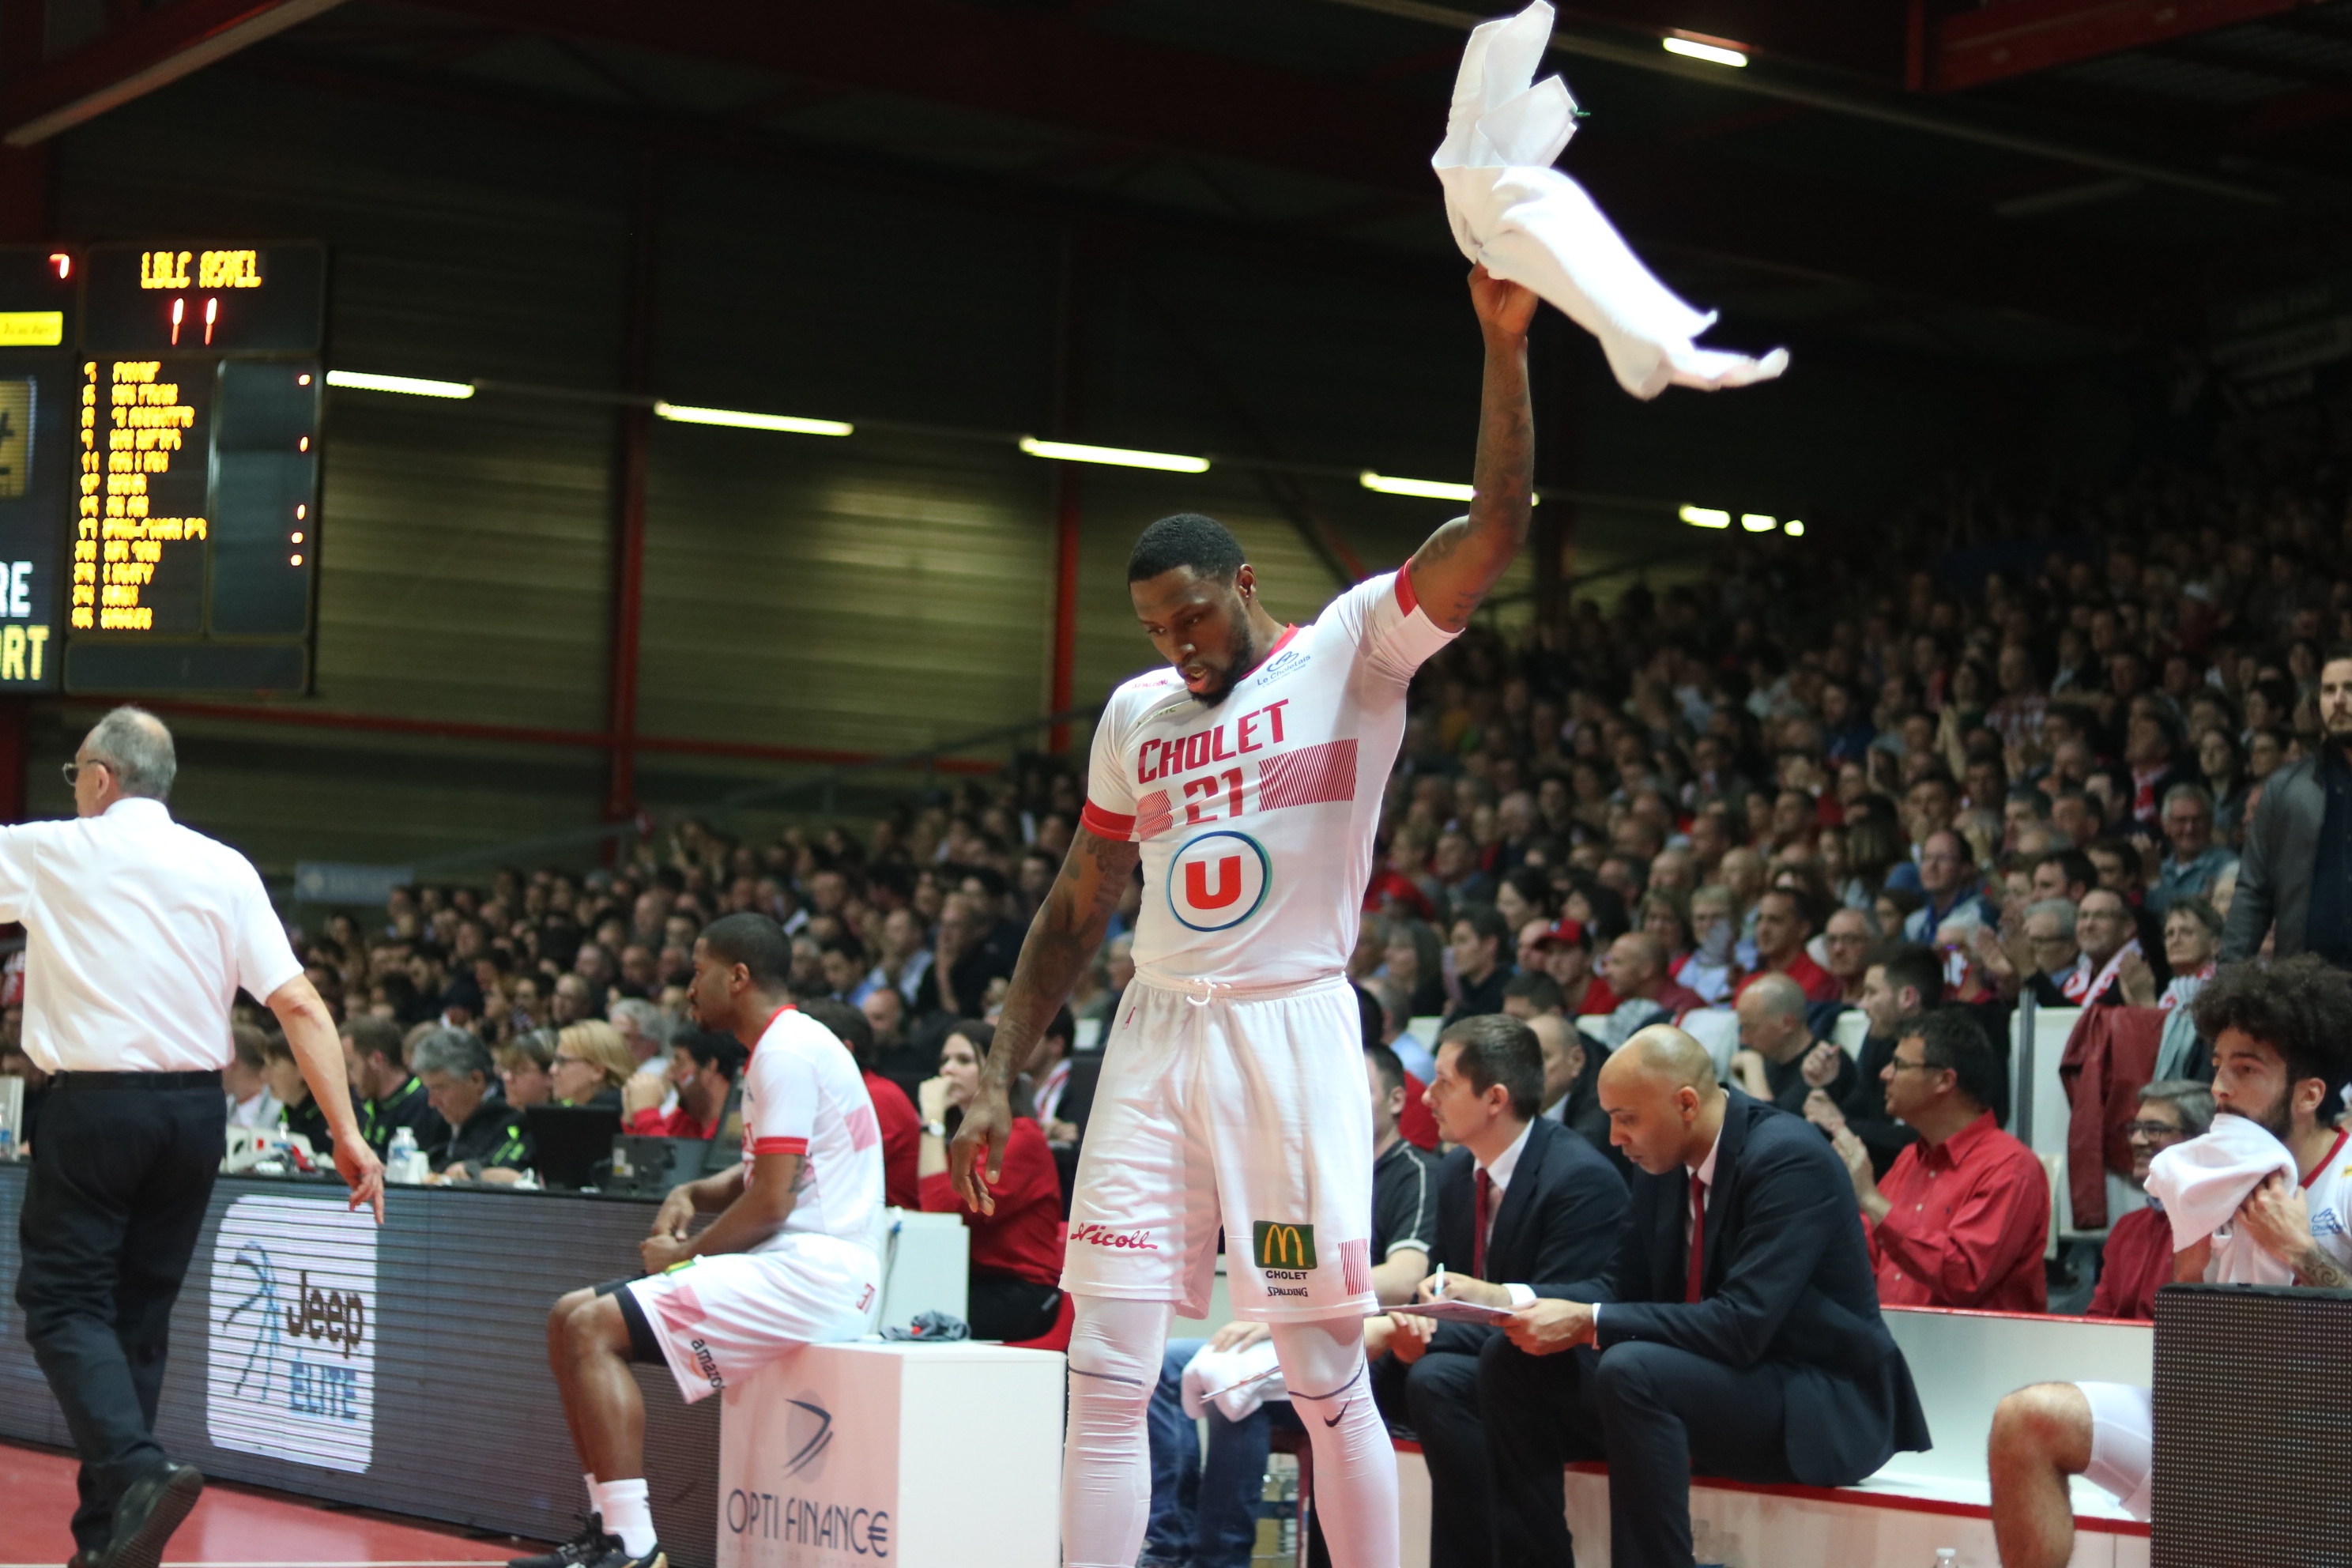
(236, 1527)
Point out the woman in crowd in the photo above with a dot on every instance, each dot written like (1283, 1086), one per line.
(1416, 966)
(1016, 1254)
(2192, 941)
(1524, 895)
(590, 1065)
(1665, 916)
(524, 1063)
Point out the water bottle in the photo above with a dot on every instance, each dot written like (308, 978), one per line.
(404, 1158)
(1948, 1557)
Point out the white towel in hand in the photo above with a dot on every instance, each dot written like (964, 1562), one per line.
(2201, 1183)
(1529, 224)
(1236, 1382)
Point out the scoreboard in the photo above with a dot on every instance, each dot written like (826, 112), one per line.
(159, 466)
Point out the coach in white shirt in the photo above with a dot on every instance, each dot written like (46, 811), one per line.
(139, 934)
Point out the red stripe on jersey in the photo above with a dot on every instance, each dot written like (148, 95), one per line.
(1283, 641)
(1406, 599)
(863, 1133)
(1106, 824)
(1308, 777)
(780, 1146)
(1356, 1266)
(1154, 815)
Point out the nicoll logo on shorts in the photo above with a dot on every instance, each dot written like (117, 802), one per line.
(1277, 1246)
(1103, 1236)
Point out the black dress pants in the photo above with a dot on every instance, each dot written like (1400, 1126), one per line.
(1654, 1412)
(119, 1180)
(1437, 1396)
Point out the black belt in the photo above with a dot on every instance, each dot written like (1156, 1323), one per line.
(209, 1079)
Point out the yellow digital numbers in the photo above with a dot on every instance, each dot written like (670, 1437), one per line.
(212, 270)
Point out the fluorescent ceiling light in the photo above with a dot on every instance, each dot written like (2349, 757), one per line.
(1793, 529)
(1757, 523)
(414, 386)
(1713, 54)
(1117, 456)
(1427, 490)
(740, 420)
(1704, 517)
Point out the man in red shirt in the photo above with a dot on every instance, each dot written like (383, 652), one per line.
(703, 1068)
(1638, 972)
(1964, 1214)
(2136, 1261)
(894, 1113)
(1782, 925)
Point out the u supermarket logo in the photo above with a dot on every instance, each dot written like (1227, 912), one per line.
(1279, 1246)
(1218, 880)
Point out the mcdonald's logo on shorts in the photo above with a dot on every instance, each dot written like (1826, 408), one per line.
(1279, 1246)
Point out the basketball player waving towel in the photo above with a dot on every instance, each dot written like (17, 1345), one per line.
(1247, 779)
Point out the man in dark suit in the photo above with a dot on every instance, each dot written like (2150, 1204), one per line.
(1748, 1346)
(1548, 1205)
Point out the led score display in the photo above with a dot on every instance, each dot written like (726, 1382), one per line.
(159, 410)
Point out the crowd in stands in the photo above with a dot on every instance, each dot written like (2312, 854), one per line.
(1810, 785)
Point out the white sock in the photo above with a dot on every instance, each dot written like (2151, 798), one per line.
(627, 1514)
(1355, 1464)
(1115, 1353)
(592, 1489)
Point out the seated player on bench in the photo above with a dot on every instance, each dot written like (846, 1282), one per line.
(793, 1258)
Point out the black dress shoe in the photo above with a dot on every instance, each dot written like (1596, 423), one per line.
(148, 1514)
(83, 1559)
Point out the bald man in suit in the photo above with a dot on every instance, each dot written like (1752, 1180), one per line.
(1735, 1332)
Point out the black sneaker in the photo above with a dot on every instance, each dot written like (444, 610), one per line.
(591, 1543)
(618, 1557)
(150, 1511)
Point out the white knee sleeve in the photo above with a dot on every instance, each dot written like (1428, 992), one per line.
(1355, 1464)
(1115, 1351)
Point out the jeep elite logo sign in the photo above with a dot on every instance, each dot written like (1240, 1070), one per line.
(290, 1368)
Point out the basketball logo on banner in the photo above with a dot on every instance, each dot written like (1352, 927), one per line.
(1218, 880)
(290, 1372)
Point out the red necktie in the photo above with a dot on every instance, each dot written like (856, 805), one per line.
(1478, 1240)
(1698, 1240)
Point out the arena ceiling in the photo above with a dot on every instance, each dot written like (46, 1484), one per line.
(2026, 182)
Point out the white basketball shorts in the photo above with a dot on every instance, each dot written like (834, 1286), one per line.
(1247, 1110)
(721, 1318)
(2123, 1443)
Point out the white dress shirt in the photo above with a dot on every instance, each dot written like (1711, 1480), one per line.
(138, 933)
(260, 1111)
(1499, 1173)
(1705, 1174)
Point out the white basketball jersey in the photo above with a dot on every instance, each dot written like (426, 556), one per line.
(1256, 816)
(803, 1095)
(2328, 1196)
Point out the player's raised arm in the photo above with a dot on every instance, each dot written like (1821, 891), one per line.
(1061, 942)
(1452, 572)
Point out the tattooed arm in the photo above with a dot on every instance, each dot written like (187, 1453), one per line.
(1452, 572)
(1062, 940)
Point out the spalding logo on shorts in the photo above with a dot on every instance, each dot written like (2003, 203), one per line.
(1218, 880)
